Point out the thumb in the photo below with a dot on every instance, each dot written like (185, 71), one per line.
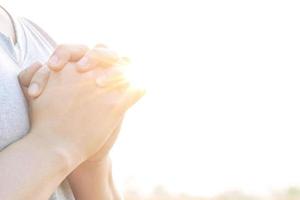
(39, 82)
(26, 75)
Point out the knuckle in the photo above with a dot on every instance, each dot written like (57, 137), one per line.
(41, 74)
(44, 70)
(62, 50)
(29, 70)
(93, 56)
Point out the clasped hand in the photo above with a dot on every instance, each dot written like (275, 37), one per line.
(77, 100)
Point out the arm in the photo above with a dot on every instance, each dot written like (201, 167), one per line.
(38, 164)
(90, 178)
(93, 178)
(93, 181)
(32, 168)
(67, 121)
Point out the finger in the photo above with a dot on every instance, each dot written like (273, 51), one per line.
(64, 54)
(26, 75)
(97, 57)
(109, 76)
(25, 92)
(130, 97)
(118, 87)
(39, 82)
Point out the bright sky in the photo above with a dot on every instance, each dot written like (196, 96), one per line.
(223, 104)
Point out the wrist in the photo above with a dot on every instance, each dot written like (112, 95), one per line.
(90, 180)
(60, 150)
(94, 167)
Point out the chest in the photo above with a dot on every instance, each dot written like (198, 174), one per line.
(14, 122)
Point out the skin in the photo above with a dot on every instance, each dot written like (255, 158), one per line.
(82, 179)
(60, 132)
(48, 167)
(92, 179)
(100, 57)
(64, 148)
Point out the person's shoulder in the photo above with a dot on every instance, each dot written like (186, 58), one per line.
(33, 43)
(36, 29)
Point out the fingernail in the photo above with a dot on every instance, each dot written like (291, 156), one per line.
(84, 62)
(33, 89)
(54, 61)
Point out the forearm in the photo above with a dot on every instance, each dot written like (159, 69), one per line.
(32, 169)
(92, 180)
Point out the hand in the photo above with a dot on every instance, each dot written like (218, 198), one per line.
(76, 113)
(41, 75)
(36, 76)
(84, 58)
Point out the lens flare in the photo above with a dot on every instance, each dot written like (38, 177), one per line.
(133, 74)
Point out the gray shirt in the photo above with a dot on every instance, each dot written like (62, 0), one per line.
(32, 44)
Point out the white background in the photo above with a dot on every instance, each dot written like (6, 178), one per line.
(222, 110)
